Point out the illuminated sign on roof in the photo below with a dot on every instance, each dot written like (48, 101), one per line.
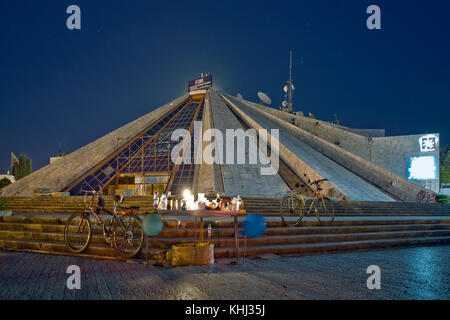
(201, 83)
(428, 143)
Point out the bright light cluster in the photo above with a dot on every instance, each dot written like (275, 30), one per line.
(422, 168)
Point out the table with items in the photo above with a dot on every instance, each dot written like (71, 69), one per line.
(202, 208)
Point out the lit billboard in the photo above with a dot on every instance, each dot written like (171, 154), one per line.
(422, 168)
(201, 83)
(428, 143)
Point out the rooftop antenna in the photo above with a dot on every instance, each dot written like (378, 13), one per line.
(335, 121)
(290, 86)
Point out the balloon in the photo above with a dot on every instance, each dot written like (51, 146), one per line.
(152, 224)
(254, 225)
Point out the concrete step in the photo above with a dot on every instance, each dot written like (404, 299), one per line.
(265, 210)
(224, 241)
(191, 229)
(166, 243)
(43, 236)
(192, 222)
(48, 223)
(354, 229)
(253, 205)
(314, 248)
(416, 224)
(99, 250)
(340, 205)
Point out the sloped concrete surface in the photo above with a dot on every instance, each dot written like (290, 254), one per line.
(351, 185)
(244, 179)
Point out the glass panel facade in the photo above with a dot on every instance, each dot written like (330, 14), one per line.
(184, 175)
(148, 153)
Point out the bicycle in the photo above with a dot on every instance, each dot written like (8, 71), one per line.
(123, 231)
(296, 204)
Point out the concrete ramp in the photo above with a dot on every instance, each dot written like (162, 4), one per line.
(348, 183)
(244, 179)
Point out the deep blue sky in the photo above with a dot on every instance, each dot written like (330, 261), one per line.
(133, 56)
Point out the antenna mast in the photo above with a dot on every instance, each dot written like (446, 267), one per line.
(290, 107)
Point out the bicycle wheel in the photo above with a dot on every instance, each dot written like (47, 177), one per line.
(77, 232)
(324, 210)
(128, 235)
(290, 206)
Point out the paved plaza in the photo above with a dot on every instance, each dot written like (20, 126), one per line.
(412, 273)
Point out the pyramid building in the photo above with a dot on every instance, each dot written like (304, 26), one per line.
(359, 165)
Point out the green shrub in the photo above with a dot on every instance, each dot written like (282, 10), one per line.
(3, 204)
(443, 199)
(4, 182)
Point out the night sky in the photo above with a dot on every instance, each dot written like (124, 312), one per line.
(68, 88)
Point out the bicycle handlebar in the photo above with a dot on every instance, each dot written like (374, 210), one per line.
(86, 191)
(92, 191)
(319, 181)
(316, 182)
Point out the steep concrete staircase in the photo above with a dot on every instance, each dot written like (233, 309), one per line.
(38, 224)
(267, 207)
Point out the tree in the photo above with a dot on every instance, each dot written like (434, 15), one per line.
(4, 182)
(445, 169)
(23, 167)
(443, 151)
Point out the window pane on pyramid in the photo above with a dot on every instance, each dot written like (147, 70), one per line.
(149, 152)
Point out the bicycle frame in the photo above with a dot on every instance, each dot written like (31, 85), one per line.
(297, 203)
(317, 197)
(90, 208)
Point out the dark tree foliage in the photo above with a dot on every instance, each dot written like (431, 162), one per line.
(4, 182)
(23, 167)
(443, 199)
(443, 151)
(3, 204)
(444, 174)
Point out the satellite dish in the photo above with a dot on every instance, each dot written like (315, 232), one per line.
(239, 96)
(264, 98)
(285, 88)
(284, 103)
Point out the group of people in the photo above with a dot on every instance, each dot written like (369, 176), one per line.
(234, 204)
(169, 202)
